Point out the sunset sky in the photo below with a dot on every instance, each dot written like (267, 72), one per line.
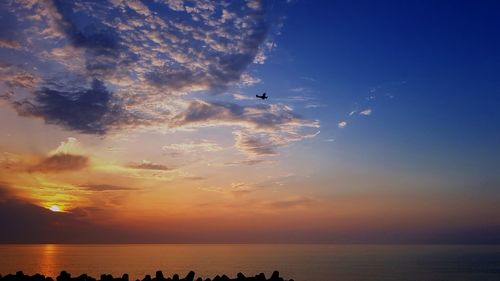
(137, 121)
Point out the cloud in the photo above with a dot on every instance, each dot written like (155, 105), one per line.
(101, 67)
(119, 64)
(265, 127)
(86, 110)
(241, 189)
(191, 147)
(69, 146)
(146, 165)
(238, 190)
(195, 178)
(106, 187)
(263, 117)
(249, 161)
(293, 202)
(255, 144)
(342, 124)
(15, 79)
(176, 5)
(9, 44)
(366, 112)
(299, 89)
(238, 96)
(61, 162)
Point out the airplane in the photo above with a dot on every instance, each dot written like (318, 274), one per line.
(264, 96)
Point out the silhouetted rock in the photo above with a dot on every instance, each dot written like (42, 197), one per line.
(37, 277)
(65, 276)
(189, 276)
(159, 276)
(260, 277)
(275, 276)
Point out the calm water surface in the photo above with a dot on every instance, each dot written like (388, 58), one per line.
(301, 262)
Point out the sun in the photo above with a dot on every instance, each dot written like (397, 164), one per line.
(55, 208)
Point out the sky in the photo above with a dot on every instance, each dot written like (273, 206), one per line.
(137, 121)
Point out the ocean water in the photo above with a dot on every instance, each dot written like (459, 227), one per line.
(300, 262)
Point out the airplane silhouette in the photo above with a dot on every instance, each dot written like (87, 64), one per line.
(264, 96)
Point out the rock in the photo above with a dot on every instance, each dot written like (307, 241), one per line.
(64, 276)
(189, 276)
(260, 277)
(159, 275)
(275, 276)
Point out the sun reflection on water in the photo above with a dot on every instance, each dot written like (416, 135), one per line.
(48, 262)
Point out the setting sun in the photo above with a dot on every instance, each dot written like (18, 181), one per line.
(55, 208)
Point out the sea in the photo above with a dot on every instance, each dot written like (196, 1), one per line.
(301, 262)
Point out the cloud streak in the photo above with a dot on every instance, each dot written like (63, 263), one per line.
(366, 112)
(61, 163)
(146, 165)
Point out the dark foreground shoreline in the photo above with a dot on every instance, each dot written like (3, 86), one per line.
(64, 276)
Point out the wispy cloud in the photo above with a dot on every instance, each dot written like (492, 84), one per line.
(299, 89)
(342, 124)
(255, 144)
(106, 187)
(238, 96)
(146, 165)
(248, 161)
(366, 112)
(292, 202)
(191, 147)
(61, 162)
(264, 127)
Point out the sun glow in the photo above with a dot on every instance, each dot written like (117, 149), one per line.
(55, 208)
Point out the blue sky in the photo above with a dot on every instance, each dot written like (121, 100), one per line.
(437, 61)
